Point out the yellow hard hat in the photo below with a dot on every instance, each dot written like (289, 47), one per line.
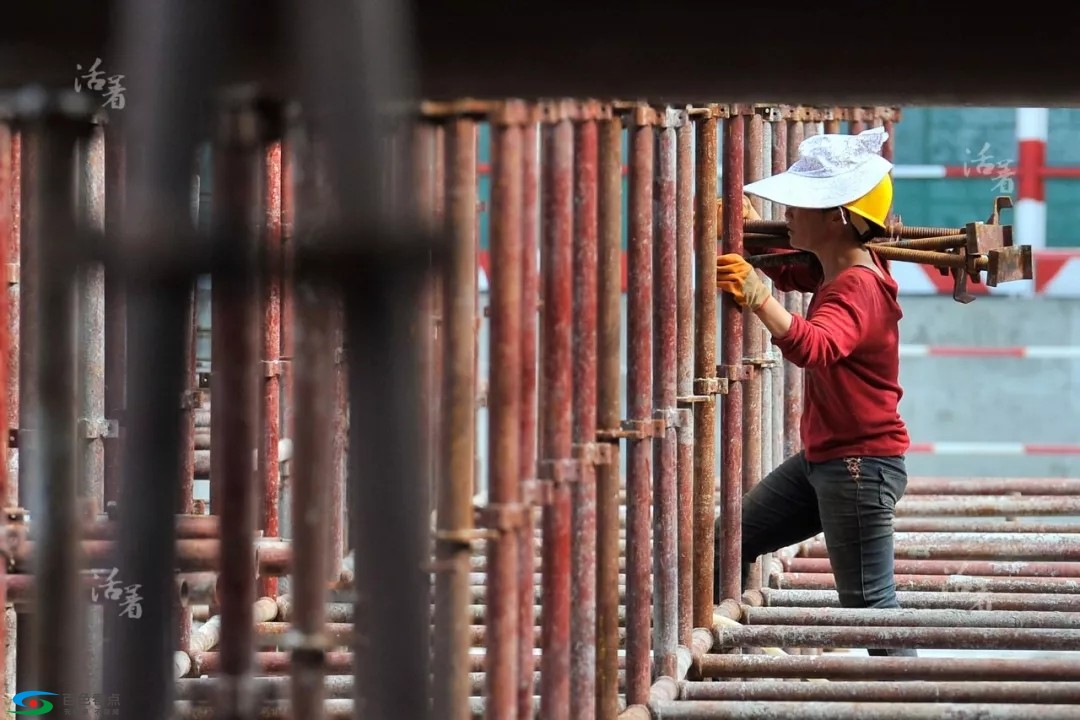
(873, 206)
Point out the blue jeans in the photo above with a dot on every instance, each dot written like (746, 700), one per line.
(853, 501)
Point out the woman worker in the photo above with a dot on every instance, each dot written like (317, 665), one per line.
(849, 475)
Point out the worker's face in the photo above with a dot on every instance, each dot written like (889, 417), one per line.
(811, 229)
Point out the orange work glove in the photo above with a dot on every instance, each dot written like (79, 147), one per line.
(738, 278)
(748, 213)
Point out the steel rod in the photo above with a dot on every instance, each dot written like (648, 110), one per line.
(965, 600)
(955, 638)
(754, 710)
(504, 398)
(270, 414)
(455, 482)
(639, 398)
(586, 297)
(890, 668)
(876, 691)
(705, 561)
(556, 409)
(609, 319)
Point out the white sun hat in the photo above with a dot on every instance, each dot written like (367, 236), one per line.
(832, 170)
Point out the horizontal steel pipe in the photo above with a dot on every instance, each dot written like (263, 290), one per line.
(335, 686)
(930, 600)
(733, 710)
(188, 527)
(960, 506)
(336, 663)
(939, 583)
(897, 637)
(341, 634)
(876, 691)
(977, 546)
(890, 668)
(949, 567)
(273, 558)
(909, 618)
(991, 486)
(981, 525)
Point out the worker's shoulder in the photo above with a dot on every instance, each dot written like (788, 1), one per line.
(864, 284)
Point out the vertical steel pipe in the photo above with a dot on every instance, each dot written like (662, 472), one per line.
(239, 184)
(188, 402)
(455, 487)
(270, 432)
(665, 393)
(684, 254)
(288, 292)
(793, 303)
(91, 369)
(339, 466)
(779, 164)
(557, 407)
(313, 462)
(51, 201)
(6, 337)
(9, 238)
(857, 120)
(504, 400)
(753, 349)
(528, 439)
(609, 318)
(732, 329)
(29, 259)
(586, 297)
(91, 349)
(639, 400)
(705, 370)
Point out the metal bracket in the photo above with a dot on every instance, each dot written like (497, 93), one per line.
(501, 518)
(13, 273)
(634, 430)
(271, 368)
(202, 380)
(762, 362)
(733, 373)
(704, 390)
(594, 453)
(671, 417)
(98, 428)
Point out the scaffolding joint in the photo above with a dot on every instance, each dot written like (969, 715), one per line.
(704, 390)
(98, 428)
(635, 430)
(734, 373)
(593, 453)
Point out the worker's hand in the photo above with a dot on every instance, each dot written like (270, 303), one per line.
(738, 278)
(748, 213)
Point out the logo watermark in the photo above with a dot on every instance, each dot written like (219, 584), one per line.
(109, 88)
(985, 165)
(127, 595)
(91, 706)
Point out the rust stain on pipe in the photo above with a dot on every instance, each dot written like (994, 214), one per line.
(608, 416)
(583, 546)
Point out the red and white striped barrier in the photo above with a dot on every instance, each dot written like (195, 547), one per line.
(993, 448)
(1039, 352)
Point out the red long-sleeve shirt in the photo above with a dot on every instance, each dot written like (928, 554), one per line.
(848, 346)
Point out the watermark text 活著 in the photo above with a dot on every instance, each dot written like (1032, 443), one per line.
(985, 165)
(109, 87)
(113, 590)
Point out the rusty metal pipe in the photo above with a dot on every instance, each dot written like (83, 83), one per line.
(609, 319)
(793, 303)
(732, 329)
(270, 415)
(940, 583)
(51, 456)
(556, 410)
(235, 327)
(840, 667)
(705, 562)
(761, 710)
(939, 506)
(950, 567)
(893, 230)
(504, 400)
(639, 396)
(908, 618)
(528, 438)
(684, 259)
(964, 600)
(455, 482)
(665, 397)
(977, 546)
(875, 691)
(992, 486)
(936, 525)
(586, 297)
(955, 638)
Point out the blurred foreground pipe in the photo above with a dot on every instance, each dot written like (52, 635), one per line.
(759, 710)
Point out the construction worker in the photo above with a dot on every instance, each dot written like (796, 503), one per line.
(850, 473)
